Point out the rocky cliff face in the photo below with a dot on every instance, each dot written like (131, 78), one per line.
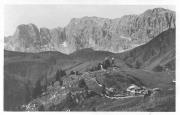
(113, 35)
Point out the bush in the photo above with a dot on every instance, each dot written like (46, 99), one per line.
(77, 73)
(138, 65)
(60, 74)
(72, 73)
(158, 68)
(82, 84)
(106, 64)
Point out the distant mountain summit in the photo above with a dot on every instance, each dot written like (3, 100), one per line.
(114, 35)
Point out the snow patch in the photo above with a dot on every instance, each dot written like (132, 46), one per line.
(64, 44)
(124, 37)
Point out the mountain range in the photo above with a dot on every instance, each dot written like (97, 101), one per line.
(33, 56)
(114, 35)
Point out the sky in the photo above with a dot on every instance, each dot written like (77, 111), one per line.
(52, 16)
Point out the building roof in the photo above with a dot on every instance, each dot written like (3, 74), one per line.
(133, 86)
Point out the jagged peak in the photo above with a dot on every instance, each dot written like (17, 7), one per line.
(30, 25)
(159, 9)
(150, 12)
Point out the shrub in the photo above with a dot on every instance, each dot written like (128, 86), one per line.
(82, 84)
(72, 73)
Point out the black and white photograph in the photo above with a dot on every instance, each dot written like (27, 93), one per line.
(89, 58)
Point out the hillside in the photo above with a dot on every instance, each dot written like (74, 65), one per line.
(73, 96)
(89, 54)
(157, 52)
(22, 72)
(25, 70)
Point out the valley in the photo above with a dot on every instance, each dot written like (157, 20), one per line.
(93, 64)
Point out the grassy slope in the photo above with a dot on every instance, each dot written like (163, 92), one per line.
(23, 70)
(164, 101)
(152, 53)
(27, 68)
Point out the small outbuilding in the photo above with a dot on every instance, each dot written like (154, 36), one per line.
(133, 89)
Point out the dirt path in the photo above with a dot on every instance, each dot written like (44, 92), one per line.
(122, 97)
